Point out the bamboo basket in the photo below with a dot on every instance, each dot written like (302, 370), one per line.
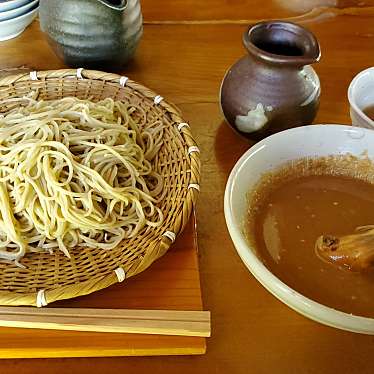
(47, 277)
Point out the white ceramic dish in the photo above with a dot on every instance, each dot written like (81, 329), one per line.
(9, 14)
(360, 96)
(316, 140)
(11, 28)
(12, 4)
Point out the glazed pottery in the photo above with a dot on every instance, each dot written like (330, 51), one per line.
(11, 28)
(361, 96)
(266, 156)
(273, 87)
(92, 33)
(16, 12)
(12, 4)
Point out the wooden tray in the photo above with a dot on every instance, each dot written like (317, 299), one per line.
(172, 282)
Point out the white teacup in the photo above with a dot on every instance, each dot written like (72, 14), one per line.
(361, 96)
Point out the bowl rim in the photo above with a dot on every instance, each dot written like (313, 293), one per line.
(27, 5)
(12, 2)
(295, 300)
(20, 17)
(352, 102)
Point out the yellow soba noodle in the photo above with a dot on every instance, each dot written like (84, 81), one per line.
(74, 173)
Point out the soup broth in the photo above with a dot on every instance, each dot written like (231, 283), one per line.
(291, 208)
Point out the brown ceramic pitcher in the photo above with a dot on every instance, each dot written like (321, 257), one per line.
(273, 87)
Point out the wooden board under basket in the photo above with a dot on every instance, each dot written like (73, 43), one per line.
(172, 282)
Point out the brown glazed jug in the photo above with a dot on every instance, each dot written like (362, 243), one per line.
(273, 87)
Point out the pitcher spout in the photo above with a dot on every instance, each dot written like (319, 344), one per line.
(281, 42)
(115, 4)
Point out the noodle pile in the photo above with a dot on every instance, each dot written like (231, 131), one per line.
(75, 173)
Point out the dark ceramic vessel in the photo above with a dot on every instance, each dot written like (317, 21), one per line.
(272, 88)
(92, 33)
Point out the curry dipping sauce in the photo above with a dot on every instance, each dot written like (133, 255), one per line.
(291, 207)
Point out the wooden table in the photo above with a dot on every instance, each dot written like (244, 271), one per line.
(186, 48)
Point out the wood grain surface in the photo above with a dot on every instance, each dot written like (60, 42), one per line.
(170, 283)
(252, 332)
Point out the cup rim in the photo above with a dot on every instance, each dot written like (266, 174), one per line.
(351, 99)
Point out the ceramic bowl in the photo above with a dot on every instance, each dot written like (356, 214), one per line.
(360, 96)
(11, 28)
(13, 13)
(11, 4)
(296, 143)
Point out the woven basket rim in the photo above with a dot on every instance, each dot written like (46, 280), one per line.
(86, 287)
